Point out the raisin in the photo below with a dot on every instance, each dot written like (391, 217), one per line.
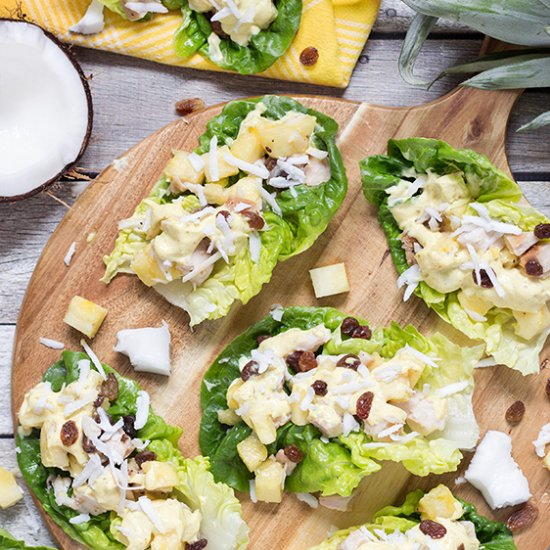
(128, 425)
(548, 388)
(250, 369)
(217, 29)
(461, 546)
(255, 221)
(484, 279)
(362, 331)
(515, 412)
(187, 106)
(349, 324)
(542, 231)
(145, 456)
(433, 529)
(522, 518)
(292, 359)
(364, 404)
(350, 361)
(197, 545)
(261, 338)
(69, 433)
(533, 267)
(319, 387)
(270, 163)
(293, 453)
(87, 445)
(307, 361)
(99, 399)
(109, 387)
(309, 56)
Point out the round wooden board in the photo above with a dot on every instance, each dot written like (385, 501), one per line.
(465, 118)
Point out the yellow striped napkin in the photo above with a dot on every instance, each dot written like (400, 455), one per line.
(337, 28)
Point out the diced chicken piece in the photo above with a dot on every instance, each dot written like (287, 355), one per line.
(335, 502)
(195, 260)
(425, 413)
(528, 325)
(296, 339)
(519, 244)
(159, 476)
(10, 492)
(536, 261)
(327, 420)
(285, 461)
(317, 172)
(136, 524)
(216, 193)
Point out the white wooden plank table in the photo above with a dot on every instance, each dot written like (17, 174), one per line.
(132, 98)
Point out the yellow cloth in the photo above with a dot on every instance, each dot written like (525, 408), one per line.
(337, 28)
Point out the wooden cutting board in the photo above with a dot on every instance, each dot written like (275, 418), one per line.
(465, 118)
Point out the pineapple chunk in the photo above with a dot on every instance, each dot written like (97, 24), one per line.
(270, 480)
(85, 316)
(228, 417)
(224, 169)
(264, 427)
(159, 476)
(146, 267)
(439, 503)
(247, 146)
(528, 325)
(287, 136)
(233, 387)
(10, 492)
(215, 193)
(329, 280)
(179, 169)
(252, 452)
(473, 303)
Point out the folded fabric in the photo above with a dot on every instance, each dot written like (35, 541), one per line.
(338, 29)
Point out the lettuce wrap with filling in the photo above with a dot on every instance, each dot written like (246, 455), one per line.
(108, 471)
(463, 240)
(312, 400)
(262, 185)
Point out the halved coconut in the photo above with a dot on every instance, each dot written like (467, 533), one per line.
(45, 109)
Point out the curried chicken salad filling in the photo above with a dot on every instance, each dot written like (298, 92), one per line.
(307, 392)
(215, 219)
(100, 471)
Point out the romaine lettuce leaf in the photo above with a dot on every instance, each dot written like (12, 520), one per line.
(337, 467)
(303, 219)
(222, 521)
(263, 50)
(8, 542)
(487, 185)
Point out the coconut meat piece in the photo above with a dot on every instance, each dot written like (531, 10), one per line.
(44, 110)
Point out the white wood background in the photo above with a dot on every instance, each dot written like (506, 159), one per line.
(132, 98)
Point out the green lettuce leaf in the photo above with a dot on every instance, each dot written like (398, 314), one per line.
(263, 50)
(493, 535)
(487, 185)
(222, 520)
(337, 467)
(303, 219)
(8, 542)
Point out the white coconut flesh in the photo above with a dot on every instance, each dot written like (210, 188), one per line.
(44, 110)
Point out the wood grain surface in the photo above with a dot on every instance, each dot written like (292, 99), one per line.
(465, 117)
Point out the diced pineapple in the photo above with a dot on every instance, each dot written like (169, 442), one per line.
(329, 280)
(224, 168)
(146, 267)
(159, 476)
(252, 452)
(247, 189)
(264, 427)
(287, 136)
(179, 169)
(473, 303)
(247, 146)
(439, 503)
(233, 387)
(270, 480)
(85, 316)
(215, 193)
(228, 417)
(546, 461)
(10, 492)
(528, 325)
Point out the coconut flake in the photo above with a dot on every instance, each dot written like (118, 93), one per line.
(405, 438)
(475, 316)
(142, 409)
(255, 169)
(83, 370)
(201, 267)
(317, 153)
(91, 471)
(93, 357)
(92, 21)
(196, 162)
(143, 8)
(293, 172)
(270, 200)
(486, 362)
(422, 356)
(149, 510)
(308, 498)
(53, 344)
(196, 189)
(70, 253)
(213, 159)
(196, 216)
(410, 277)
(277, 312)
(307, 399)
(349, 424)
(81, 518)
(542, 440)
(389, 431)
(451, 389)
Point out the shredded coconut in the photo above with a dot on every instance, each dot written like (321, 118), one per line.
(308, 498)
(213, 159)
(70, 253)
(142, 409)
(93, 357)
(270, 199)
(255, 169)
(451, 389)
(53, 344)
(252, 486)
(542, 440)
(410, 277)
(81, 518)
(255, 246)
(149, 510)
(196, 162)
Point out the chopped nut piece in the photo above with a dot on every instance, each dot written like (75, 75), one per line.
(522, 518)
(185, 107)
(309, 56)
(515, 412)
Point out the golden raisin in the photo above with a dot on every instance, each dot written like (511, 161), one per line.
(309, 56)
(185, 107)
(522, 518)
(515, 412)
